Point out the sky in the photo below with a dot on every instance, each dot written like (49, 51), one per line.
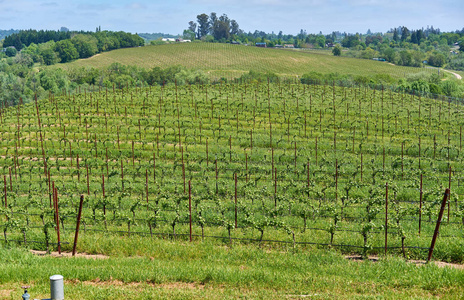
(288, 16)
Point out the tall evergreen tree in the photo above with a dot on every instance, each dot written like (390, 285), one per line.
(203, 25)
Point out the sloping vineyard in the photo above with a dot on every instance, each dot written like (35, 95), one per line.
(264, 162)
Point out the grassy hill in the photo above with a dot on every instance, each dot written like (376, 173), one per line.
(226, 60)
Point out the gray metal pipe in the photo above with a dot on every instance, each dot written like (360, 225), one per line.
(56, 287)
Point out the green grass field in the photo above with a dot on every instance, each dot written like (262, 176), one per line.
(226, 60)
(159, 269)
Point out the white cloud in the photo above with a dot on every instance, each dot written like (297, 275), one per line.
(136, 6)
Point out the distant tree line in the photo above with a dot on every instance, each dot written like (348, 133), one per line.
(400, 45)
(5, 33)
(406, 47)
(49, 47)
(26, 37)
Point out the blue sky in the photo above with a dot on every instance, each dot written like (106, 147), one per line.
(172, 16)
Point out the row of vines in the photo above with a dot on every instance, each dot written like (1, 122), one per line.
(282, 162)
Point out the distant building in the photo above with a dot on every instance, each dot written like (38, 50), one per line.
(168, 40)
(289, 46)
(262, 45)
(278, 46)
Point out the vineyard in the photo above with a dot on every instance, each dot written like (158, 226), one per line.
(356, 169)
(230, 61)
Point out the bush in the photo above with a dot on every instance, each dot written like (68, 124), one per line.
(437, 59)
(259, 77)
(11, 52)
(191, 77)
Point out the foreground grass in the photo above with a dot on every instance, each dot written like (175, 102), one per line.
(141, 268)
(226, 60)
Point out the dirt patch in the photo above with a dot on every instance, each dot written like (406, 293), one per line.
(439, 264)
(113, 282)
(181, 285)
(69, 254)
(455, 74)
(5, 293)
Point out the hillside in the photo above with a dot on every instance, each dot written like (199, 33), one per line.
(226, 60)
(283, 176)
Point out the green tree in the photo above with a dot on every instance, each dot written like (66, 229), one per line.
(451, 88)
(66, 51)
(234, 28)
(390, 55)
(203, 25)
(192, 26)
(320, 41)
(86, 45)
(404, 33)
(221, 28)
(395, 35)
(351, 41)
(437, 59)
(405, 58)
(337, 50)
(369, 53)
(421, 86)
(10, 52)
(24, 59)
(49, 57)
(188, 34)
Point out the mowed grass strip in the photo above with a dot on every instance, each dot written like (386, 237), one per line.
(233, 60)
(182, 270)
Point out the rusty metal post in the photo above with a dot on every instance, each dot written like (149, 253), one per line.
(57, 220)
(78, 224)
(386, 216)
(53, 198)
(11, 181)
(183, 175)
(437, 227)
